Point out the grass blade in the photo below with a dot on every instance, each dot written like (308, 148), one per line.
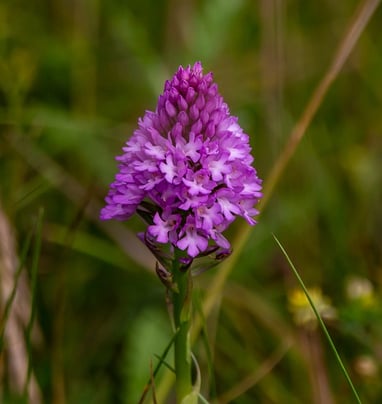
(34, 270)
(320, 321)
(161, 362)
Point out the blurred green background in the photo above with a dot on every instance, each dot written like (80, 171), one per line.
(75, 75)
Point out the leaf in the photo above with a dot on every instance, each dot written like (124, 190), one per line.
(191, 398)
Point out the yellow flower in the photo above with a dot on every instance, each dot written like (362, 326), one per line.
(303, 313)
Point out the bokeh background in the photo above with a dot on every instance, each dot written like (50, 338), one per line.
(75, 75)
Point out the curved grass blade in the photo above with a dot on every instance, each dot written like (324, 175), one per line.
(320, 321)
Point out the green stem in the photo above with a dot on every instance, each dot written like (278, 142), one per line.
(182, 318)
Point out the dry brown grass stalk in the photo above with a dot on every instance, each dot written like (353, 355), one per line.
(15, 368)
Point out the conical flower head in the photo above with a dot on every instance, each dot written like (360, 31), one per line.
(191, 159)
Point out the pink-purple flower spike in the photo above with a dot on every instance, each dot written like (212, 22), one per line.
(192, 160)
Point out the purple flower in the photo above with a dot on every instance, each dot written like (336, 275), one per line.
(191, 160)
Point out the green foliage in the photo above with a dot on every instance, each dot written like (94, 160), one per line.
(147, 337)
(75, 77)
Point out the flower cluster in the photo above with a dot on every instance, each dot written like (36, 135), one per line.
(191, 159)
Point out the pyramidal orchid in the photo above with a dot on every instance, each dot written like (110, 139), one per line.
(187, 171)
(191, 160)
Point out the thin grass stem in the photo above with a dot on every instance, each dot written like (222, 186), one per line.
(34, 270)
(320, 321)
(157, 367)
